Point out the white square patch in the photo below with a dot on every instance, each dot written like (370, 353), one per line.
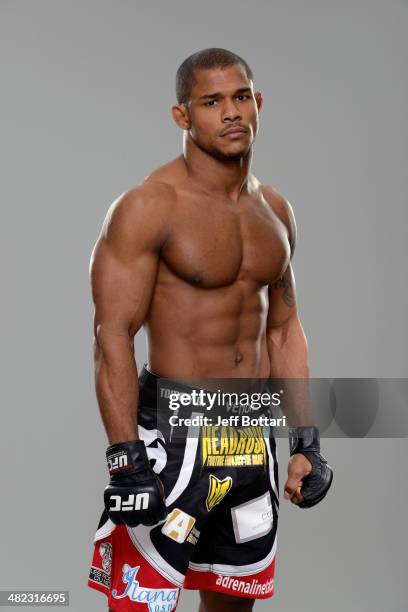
(252, 519)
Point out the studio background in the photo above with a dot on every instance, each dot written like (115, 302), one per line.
(86, 88)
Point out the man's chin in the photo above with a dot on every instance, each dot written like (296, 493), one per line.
(232, 154)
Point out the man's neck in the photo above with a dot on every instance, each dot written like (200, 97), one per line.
(222, 177)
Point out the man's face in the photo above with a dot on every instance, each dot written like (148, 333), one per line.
(223, 112)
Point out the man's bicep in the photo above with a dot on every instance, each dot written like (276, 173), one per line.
(124, 264)
(122, 291)
(282, 299)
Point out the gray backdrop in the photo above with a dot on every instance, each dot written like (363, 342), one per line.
(86, 88)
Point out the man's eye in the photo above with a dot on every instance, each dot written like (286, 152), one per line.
(242, 97)
(210, 103)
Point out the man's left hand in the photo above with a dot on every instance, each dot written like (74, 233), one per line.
(298, 468)
(310, 476)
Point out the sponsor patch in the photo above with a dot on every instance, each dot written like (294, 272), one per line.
(233, 446)
(105, 550)
(163, 600)
(248, 586)
(99, 576)
(178, 525)
(252, 519)
(217, 490)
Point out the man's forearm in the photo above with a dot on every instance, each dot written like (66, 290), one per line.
(288, 354)
(117, 386)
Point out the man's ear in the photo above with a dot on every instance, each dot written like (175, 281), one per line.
(258, 99)
(181, 116)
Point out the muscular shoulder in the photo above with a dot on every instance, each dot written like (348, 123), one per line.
(141, 215)
(283, 209)
(170, 173)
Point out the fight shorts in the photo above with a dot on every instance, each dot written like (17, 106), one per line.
(221, 494)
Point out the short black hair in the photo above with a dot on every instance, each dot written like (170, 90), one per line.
(206, 59)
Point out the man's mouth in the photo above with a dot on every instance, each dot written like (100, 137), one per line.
(234, 132)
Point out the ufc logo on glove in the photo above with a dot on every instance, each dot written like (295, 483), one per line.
(140, 501)
(117, 462)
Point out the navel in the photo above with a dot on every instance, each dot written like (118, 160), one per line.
(238, 357)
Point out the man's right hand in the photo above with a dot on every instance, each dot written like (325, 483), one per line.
(135, 494)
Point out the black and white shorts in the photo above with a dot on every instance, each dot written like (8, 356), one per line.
(221, 490)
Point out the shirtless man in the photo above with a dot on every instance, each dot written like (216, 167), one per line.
(200, 256)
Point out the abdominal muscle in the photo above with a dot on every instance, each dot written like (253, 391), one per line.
(208, 333)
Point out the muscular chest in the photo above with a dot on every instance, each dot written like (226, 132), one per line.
(213, 243)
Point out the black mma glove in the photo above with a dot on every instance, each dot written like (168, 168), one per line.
(134, 494)
(306, 440)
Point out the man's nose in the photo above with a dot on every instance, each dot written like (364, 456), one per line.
(230, 111)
